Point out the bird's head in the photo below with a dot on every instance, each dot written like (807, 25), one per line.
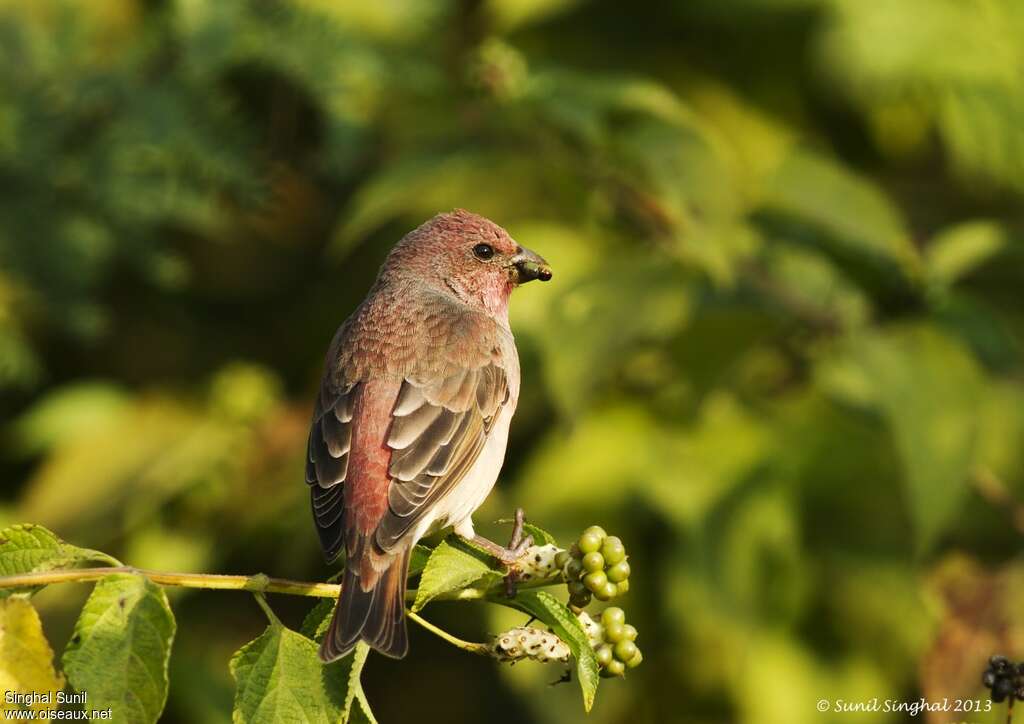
(469, 256)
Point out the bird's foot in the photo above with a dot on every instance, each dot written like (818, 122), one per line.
(508, 555)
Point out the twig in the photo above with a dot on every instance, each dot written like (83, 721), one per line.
(473, 648)
(258, 583)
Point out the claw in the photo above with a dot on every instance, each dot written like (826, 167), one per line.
(510, 555)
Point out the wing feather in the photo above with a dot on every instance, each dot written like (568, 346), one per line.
(425, 466)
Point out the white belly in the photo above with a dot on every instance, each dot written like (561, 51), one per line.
(457, 507)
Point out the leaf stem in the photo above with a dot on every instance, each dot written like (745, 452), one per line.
(473, 648)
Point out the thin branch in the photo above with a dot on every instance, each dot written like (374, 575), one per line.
(258, 583)
(473, 648)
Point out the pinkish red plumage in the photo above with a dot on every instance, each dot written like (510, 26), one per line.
(410, 426)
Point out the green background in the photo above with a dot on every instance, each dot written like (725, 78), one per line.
(780, 356)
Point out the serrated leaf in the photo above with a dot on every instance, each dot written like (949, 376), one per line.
(315, 623)
(280, 678)
(121, 647)
(28, 548)
(555, 614)
(448, 569)
(26, 659)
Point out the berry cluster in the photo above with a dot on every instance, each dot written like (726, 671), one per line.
(1004, 678)
(595, 565)
(613, 640)
(527, 642)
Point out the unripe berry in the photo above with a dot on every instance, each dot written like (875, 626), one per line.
(613, 550)
(576, 588)
(622, 587)
(589, 542)
(615, 668)
(596, 581)
(614, 632)
(607, 592)
(629, 632)
(635, 661)
(625, 650)
(613, 614)
(619, 572)
(604, 655)
(593, 562)
(596, 530)
(561, 558)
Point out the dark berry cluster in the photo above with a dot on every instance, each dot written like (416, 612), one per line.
(596, 565)
(619, 651)
(1004, 678)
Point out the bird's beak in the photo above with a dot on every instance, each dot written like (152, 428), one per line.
(529, 266)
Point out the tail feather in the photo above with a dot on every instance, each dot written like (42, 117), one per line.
(376, 616)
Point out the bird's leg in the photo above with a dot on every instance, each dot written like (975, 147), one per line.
(508, 555)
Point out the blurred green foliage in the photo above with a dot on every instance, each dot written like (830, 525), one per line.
(781, 356)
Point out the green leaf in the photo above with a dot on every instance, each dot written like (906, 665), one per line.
(280, 678)
(418, 559)
(28, 548)
(121, 647)
(929, 389)
(315, 623)
(958, 250)
(26, 659)
(555, 614)
(448, 569)
(854, 214)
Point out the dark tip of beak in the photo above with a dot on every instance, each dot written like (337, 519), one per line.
(530, 266)
(527, 270)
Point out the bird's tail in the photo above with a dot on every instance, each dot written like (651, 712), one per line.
(376, 616)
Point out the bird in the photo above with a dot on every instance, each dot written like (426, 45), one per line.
(411, 422)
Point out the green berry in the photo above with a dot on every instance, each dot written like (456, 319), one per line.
(596, 530)
(615, 668)
(630, 632)
(604, 655)
(619, 572)
(590, 542)
(622, 587)
(614, 632)
(593, 562)
(607, 592)
(561, 558)
(596, 581)
(576, 588)
(612, 550)
(613, 614)
(625, 650)
(635, 661)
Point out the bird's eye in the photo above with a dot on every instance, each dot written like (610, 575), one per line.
(483, 251)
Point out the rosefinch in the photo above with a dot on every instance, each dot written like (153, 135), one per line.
(410, 426)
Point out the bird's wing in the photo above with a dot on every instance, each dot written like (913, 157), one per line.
(438, 428)
(412, 433)
(330, 439)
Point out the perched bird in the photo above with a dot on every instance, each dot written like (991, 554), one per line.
(410, 426)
